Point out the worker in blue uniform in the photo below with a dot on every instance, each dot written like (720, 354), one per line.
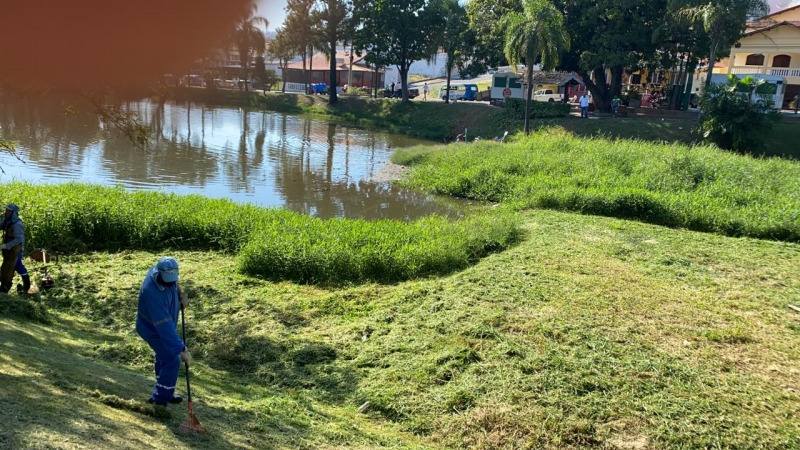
(12, 247)
(160, 300)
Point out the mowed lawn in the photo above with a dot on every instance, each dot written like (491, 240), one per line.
(591, 332)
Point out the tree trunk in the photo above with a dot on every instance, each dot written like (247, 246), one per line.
(598, 88)
(616, 80)
(283, 77)
(375, 82)
(332, 98)
(403, 69)
(449, 69)
(305, 76)
(311, 66)
(712, 59)
(528, 98)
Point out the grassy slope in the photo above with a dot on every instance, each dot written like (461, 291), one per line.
(592, 332)
(700, 188)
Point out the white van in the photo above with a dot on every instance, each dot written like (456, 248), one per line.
(506, 84)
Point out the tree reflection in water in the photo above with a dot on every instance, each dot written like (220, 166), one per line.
(265, 158)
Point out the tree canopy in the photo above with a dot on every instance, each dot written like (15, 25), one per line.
(408, 31)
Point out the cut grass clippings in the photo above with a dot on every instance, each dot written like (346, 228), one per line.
(699, 188)
(592, 332)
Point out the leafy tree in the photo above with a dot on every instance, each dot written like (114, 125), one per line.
(724, 21)
(456, 38)
(683, 42)
(367, 41)
(270, 79)
(738, 115)
(249, 38)
(537, 33)
(299, 29)
(284, 50)
(484, 17)
(610, 35)
(333, 25)
(408, 31)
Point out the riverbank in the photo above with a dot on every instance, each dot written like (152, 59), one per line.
(591, 333)
(441, 122)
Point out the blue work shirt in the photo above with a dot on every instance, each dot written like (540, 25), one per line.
(13, 230)
(158, 313)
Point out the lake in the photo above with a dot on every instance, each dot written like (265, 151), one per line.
(268, 159)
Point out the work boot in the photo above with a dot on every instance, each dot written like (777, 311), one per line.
(26, 282)
(5, 287)
(174, 400)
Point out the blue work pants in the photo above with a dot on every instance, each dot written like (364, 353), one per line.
(166, 368)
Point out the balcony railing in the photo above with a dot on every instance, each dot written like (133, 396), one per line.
(786, 72)
(779, 71)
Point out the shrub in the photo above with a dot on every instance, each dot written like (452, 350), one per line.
(737, 115)
(515, 109)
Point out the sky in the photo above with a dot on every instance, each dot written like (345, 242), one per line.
(273, 11)
(777, 5)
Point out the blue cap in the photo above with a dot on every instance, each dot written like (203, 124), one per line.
(168, 268)
(12, 207)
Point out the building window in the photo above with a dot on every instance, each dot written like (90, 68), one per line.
(754, 60)
(781, 61)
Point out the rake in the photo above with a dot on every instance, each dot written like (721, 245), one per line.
(191, 425)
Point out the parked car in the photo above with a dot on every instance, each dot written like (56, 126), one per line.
(318, 88)
(398, 93)
(547, 95)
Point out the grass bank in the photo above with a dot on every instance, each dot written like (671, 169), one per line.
(591, 333)
(699, 188)
(440, 122)
(270, 243)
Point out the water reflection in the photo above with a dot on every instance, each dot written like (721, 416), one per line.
(269, 159)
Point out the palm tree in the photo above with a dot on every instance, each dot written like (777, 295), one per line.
(536, 33)
(249, 38)
(332, 25)
(724, 21)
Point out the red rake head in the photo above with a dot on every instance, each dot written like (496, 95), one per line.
(191, 425)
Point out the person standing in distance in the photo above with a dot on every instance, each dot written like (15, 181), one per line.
(160, 300)
(584, 102)
(13, 243)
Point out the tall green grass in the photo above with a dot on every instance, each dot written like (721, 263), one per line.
(274, 243)
(699, 188)
(312, 250)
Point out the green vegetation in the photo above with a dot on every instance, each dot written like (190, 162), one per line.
(515, 108)
(432, 120)
(275, 244)
(732, 119)
(591, 333)
(699, 188)
(310, 250)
